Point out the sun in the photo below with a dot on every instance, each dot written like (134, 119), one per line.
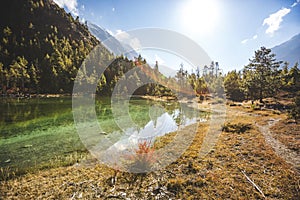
(199, 16)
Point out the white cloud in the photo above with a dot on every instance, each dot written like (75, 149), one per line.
(71, 5)
(274, 20)
(254, 37)
(121, 35)
(113, 9)
(295, 3)
(135, 43)
(119, 31)
(244, 41)
(82, 7)
(125, 38)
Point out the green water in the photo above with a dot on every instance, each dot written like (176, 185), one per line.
(40, 132)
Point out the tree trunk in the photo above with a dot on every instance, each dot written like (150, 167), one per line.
(260, 97)
(261, 94)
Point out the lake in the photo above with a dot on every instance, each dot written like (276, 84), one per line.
(40, 132)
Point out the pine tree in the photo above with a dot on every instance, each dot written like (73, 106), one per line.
(233, 86)
(156, 66)
(23, 72)
(261, 75)
(284, 75)
(294, 78)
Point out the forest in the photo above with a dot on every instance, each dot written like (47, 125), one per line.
(43, 54)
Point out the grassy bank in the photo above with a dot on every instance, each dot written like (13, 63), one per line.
(242, 165)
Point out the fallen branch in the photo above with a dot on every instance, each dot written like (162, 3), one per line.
(256, 187)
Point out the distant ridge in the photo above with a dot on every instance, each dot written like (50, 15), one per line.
(289, 51)
(110, 41)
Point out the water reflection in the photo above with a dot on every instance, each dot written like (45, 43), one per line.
(162, 125)
(158, 126)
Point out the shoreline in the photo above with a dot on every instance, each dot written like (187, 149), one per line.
(28, 96)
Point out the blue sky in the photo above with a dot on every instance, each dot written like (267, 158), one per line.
(228, 30)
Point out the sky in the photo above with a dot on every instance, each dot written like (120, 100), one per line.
(228, 30)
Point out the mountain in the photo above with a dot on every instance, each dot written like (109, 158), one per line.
(41, 47)
(110, 42)
(289, 51)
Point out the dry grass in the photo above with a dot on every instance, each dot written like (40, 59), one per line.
(288, 134)
(220, 175)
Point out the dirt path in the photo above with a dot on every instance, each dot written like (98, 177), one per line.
(281, 150)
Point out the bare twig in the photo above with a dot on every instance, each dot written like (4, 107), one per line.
(73, 196)
(256, 187)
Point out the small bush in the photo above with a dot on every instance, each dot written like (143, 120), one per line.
(295, 111)
(143, 158)
(255, 107)
(176, 185)
(236, 128)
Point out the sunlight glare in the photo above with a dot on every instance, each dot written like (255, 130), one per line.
(199, 16)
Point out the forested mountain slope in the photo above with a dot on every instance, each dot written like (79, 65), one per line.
(41, 47)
